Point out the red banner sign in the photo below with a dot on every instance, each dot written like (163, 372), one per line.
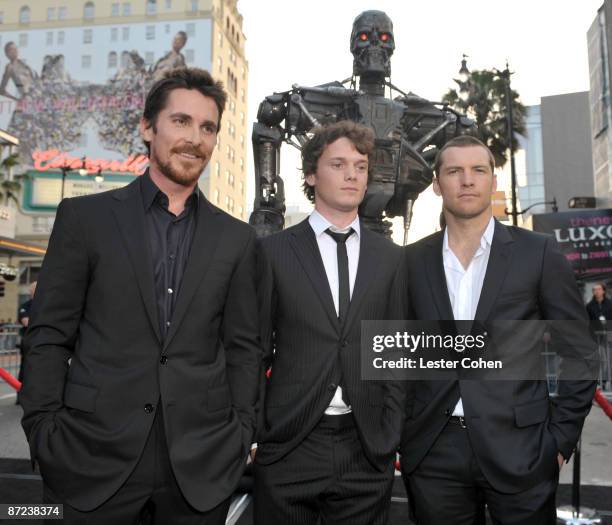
(55, 159)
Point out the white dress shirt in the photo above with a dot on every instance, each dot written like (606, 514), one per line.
(464, 286)
(328, 250)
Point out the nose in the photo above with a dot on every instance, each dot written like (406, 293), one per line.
(194, 135)
(350, 173)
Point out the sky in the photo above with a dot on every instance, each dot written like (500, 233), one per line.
(289, 41)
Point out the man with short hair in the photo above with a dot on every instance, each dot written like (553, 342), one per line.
(469, 442)
(143, 353)
(599, 307)
(326, 438)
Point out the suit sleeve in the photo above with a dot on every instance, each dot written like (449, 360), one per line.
(241, 340)
(55, 316)
(560, 300)
(266, 300)
(396, 399)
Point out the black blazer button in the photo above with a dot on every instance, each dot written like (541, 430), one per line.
(163, 360)
(447, 412)
(148, 408)
(332, 387)
(344, 343)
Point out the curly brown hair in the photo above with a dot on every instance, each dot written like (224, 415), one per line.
(361, 136)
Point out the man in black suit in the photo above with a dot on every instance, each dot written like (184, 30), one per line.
(143, 352)
(499, 442)
(326, 438)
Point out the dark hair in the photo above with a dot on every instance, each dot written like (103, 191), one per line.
(603, 286)
(361, 136)
(182, 78)
(183, 34)
(7, 45)
(462, 141)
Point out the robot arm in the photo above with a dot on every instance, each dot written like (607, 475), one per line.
(280, 118)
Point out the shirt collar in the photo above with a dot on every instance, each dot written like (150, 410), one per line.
(150, 192)
(319, 224)
(485, 241)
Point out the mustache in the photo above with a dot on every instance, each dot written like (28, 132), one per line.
(189, 150)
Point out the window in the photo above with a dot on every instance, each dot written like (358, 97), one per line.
(114, 34)
(217, 169)
(89, 11)
(115, 9)
(151, 7)
(220, 64)
(125, 33)
(125, 59)
(150, 33)
(127, 9)
(112, 59)
(29, 272)
(49, 38)
(24, 15)
(217, 195)
(168, 4)
(50, 14)
(62, 13)
(220, 39)
(87, 36)
(149, 58)
(86, 61)
(189, 56)
(190, 29)
(167, 29)
(60, 38)
(194, 6)
(23, 39)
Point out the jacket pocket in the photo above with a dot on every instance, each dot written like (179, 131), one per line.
(80, 397)
(532, 413)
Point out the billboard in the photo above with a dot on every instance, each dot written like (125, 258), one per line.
(80, 91)
(584, 236)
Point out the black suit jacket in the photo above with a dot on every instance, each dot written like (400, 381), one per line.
(515, 429)
(304, 342)
(87, 420)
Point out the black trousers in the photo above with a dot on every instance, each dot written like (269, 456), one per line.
(449, 487)
(150, 495)
(327, 476)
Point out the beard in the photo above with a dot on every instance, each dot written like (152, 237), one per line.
(182, 176)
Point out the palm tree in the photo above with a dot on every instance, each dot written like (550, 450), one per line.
(482, 96)
(10, 188)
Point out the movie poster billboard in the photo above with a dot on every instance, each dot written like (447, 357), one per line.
(584, 236)
(75, 92)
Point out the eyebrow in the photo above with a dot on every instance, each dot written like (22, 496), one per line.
(180, 114)
(462, 167)
(345, 159)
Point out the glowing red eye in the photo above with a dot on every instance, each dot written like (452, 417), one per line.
(384, 37)
(363, 37)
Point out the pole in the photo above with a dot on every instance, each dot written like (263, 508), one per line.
(506, 74)
(64, 173)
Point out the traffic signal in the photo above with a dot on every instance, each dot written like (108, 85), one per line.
(2, 283)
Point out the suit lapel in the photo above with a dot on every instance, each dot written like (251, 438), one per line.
(366, 270)
(304, 243)
(497, 268)
(129, 213)
(434, 270)
(208, 231)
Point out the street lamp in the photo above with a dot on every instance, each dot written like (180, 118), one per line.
(553, 203)
(67, 169)
(505, 74)
(464, 77)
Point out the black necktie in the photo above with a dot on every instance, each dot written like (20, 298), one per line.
(344, 290)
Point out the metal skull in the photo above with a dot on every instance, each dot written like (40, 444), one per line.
(372, 44)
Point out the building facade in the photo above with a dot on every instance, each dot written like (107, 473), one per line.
(74, 77)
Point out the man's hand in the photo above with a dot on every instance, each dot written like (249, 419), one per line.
(253, 452)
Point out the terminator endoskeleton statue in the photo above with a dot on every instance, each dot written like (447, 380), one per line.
(408, 131)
